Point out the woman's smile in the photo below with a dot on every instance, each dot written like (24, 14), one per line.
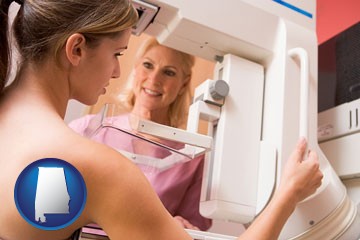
(152, 92)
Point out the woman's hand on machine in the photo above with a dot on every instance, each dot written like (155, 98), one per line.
(185, 223)
(301, 177)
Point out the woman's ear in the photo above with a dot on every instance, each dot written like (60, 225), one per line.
(75, 48)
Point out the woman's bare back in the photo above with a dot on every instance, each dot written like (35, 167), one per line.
(112, 181)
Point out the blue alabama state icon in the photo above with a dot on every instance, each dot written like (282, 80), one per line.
(50, 194)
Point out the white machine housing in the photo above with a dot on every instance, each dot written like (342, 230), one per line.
(267, 53)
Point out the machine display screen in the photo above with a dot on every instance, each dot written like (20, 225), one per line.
(339, 69)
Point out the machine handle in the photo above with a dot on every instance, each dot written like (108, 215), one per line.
(304, 88)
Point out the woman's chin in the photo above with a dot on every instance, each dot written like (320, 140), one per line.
(91, 101)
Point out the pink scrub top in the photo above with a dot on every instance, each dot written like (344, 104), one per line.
(178, 187)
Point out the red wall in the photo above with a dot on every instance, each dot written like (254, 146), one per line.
(334, 16)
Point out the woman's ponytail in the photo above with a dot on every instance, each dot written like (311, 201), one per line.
(5, 59)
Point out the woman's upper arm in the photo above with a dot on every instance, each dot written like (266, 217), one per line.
(123, 203)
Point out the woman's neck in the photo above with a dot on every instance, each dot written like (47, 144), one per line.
(158, 116)
(44, 87)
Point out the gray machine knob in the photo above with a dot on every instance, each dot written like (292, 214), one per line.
(219, 89)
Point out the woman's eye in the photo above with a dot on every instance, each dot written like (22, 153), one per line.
(147, 65)
(118, 54)
(170, 73)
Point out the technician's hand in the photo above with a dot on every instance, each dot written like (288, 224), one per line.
(301, 178)
(185, 223)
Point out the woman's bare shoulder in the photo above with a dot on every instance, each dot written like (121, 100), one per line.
(96, 159)
(119, 195)
(109, 176)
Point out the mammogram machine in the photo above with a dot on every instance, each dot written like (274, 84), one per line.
(262, 99)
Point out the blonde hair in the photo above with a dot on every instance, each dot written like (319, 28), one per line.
(179, 108)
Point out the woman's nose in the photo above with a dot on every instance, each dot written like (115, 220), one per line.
(116, 71)
(154, 76)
